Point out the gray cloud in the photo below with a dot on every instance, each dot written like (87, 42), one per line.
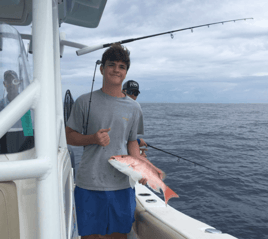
(222, 63)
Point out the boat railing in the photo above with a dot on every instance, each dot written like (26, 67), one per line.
(44, 97)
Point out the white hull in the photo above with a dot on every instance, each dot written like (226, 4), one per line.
(155, 220)
(23, 209)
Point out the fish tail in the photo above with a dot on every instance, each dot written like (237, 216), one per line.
(169, 193)
(162, 174)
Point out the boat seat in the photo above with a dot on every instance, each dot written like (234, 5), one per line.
(9, 212)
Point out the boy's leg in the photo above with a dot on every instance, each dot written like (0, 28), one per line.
(122, 204)
(115, 236)
(118, 208)
(92, 212)
(112, 236)
(95, 236)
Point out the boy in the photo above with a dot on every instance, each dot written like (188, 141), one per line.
(105, 203)
(11, 83)
(131, 88)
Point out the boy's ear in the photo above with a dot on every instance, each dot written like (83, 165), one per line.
(101, 69)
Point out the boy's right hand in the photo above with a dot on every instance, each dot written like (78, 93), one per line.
(142, 143)
(102, 138)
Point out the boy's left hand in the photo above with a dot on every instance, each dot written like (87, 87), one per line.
(143, 181)
(143, 153)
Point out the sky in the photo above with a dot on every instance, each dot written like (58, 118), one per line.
(220, 64)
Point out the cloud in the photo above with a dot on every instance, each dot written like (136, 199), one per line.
(222, 63)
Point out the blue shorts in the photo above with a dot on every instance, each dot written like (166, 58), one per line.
(104, 212)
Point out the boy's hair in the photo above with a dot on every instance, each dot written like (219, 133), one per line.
(9, 73)
(116, 52)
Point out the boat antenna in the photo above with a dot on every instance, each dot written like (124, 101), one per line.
(89, 49)
(98, 62)
(179, 157)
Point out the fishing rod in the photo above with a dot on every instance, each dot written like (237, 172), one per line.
(88, 49)
(98, 62)
(219, 172)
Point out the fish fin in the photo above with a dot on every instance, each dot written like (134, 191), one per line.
(134, 177)
(169, 193)
(162, 174)
(154, 187)
(132, 182)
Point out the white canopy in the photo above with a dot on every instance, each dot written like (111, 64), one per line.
(84, 13)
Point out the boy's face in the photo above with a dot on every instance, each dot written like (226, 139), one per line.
(114, 72)
(11, 88)
(131, 96)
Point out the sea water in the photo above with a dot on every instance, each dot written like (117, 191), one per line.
(229, 138)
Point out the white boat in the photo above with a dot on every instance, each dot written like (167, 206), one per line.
(36, 180)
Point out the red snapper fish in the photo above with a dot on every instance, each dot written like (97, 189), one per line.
(138, 168)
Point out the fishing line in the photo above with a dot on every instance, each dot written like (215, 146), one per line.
(219, 172)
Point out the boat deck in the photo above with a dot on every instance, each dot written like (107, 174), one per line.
(132, 235)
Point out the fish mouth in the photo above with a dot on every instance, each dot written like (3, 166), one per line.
(119, 156)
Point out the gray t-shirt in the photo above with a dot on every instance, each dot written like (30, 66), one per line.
(124, 117)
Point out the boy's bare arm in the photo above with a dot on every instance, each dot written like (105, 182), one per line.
(76, 139)
(133, 148)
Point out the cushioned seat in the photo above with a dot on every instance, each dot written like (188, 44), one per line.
(9, 215)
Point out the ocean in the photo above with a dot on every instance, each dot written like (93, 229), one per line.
(229, 138)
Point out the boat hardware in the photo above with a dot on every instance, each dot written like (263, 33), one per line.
(88, 49)
(213, 231)
(151, 200)
(68, 104)
(144, 194)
